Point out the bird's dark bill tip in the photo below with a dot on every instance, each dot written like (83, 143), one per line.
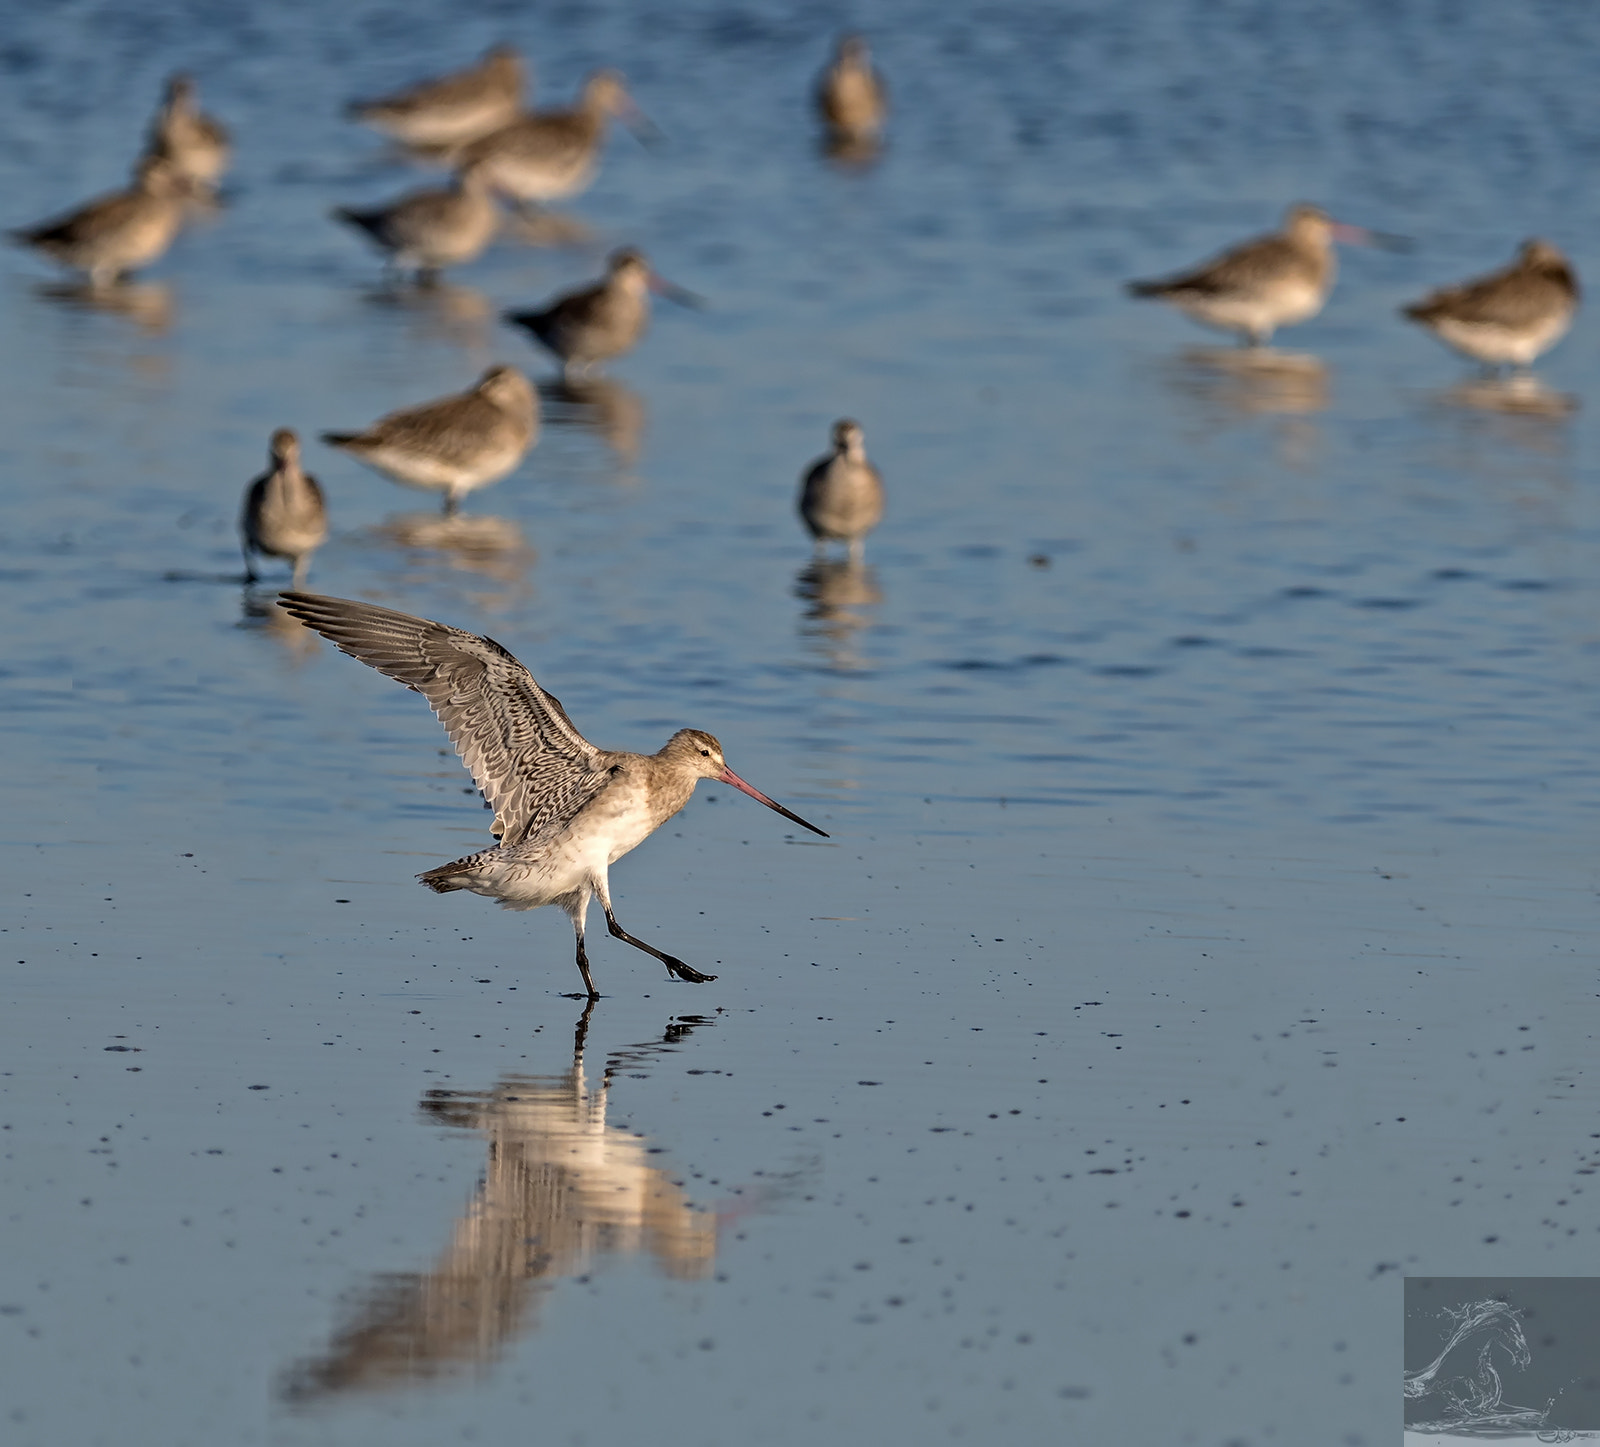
(787, 814)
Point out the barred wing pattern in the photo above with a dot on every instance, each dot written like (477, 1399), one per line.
(533, 766)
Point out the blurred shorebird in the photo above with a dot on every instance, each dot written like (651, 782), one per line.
(565, 810)
(429, 230)
(551, 154)
(1270, 282)
(284, 514)
(841, 496)
(119, 232)
(195, 145)
(586, 327)
(1509, 317)
(452, 109)
(850, 94)
(454, 444)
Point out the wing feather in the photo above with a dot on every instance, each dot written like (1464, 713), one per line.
(532, 765)
(1515, 297)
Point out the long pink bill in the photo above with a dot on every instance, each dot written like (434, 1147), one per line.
(1360, 236)
(727, 776)
(682, 295)
(645, 130)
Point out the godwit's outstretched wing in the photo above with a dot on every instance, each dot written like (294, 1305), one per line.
(533, 766)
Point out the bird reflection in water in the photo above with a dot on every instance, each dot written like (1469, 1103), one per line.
(148, 304)
(562, 1190)
(1517, 408)
(1255, 381)
(850, 153)
(837, 590)
(490, 547)
(1234, 384)
(440, 311)
(612, 411)
(544, 227)
(259, 613)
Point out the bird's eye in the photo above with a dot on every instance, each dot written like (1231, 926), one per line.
(705, 753)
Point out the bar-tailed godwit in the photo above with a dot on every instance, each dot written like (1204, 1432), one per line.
(551, 154)
(284, 513)
(841, 495)
(431, 229)
(452, 109)
(119, 232)
(1510, 316)
(1270, 282)
(850, 94)
(586, 327)
(565, 811)
(454, 444)
(195, 145)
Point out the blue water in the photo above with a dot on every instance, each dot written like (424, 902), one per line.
(1253, 709)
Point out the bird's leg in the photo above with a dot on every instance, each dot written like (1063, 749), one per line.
(250, 567)
(674, 966)
(451, 502)
(577, 908)
(583, 965)
(857, 552)
(299, 571)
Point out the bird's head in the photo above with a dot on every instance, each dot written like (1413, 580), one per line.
(1536, 252)
(700, 754)
(697, 750)
(848, 439)
(508, 389)
(285, 447)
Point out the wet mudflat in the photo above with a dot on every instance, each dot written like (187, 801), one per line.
(1205, 939)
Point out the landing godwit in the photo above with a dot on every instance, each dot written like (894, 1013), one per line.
(596, 323)
(193, 143)
(284, 514)
(453, 109)
(432, 229)
(841, 495)
(1270, 282)
(551, 154)
(116, 233)
(1510, 316)
(564, 810)
(850, 94)
(454, 444)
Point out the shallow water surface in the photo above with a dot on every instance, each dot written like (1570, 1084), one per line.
(1204, 938)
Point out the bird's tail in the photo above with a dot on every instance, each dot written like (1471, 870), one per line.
(451, 876)
(536, 322)
(368, 221)
(340, 439)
